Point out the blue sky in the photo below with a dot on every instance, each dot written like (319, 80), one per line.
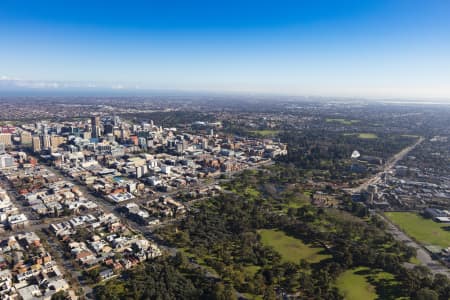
(379, 48)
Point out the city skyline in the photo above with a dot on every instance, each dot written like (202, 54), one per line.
(371, 49)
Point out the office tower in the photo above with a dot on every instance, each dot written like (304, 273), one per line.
(6, 138)
(6, 161)
(36, 142)
(205, 143)
(95, 124)
(108, 128)
(56, 141)
(179, 148)
(25, 138)
(86, 135)
(124, 134)
(44, 129)
(45, 141)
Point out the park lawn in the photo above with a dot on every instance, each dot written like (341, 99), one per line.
(342, 121)
(290, 248)
(265, 132)
(297, 200)
(366, 283)
(367, 136)
(296, 203)
(307, 193)
(248, 191)
(410, 136)
(415, 260)
(354, 286)
(252, 296)
(251, 192)
(251, 270)
(425, 231)
(198, 260)
(363, 136)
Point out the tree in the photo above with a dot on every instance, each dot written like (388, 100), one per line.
(222, 292)
(269, 293)
(110, 291)
(55, 212)
(61, 295)
(426, 294)
(92, 275)
(180, 259)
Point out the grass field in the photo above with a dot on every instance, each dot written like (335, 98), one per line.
(266, 132)
(415, 260)
(298, 200)
(367, 136)
(353, 286)
(410, 136)
(363, 136)
(252, 297)
(297, 203)
(364, 283)
(425, 231)
(342, 121)
(252, 270)
(291, 249)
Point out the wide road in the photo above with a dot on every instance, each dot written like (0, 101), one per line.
(388, 166)
(422, 255)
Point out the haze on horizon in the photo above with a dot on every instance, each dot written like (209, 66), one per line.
(378, 48)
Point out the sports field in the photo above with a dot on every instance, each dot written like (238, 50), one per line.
(423, 230)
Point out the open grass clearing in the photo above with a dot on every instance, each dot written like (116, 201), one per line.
(363, 136)
(364, 283)
(296, 203)
(290, 248)
(423, 230)
(367, 136)
(410, 136)
(353, 286)
(252, 297)
(341, 121)
(265, 132)
(415, 260)
(251, 270)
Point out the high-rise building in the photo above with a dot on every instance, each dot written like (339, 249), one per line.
(45, 142)
(116, 120)
(56, 141)
(44, 129)
(179, 148)
(6, 138)
(36, 141)
(205, 143)
(25, 138)
(86, 135)
(95, 124)
(124, 134)
(6, 161)
(108, 128)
